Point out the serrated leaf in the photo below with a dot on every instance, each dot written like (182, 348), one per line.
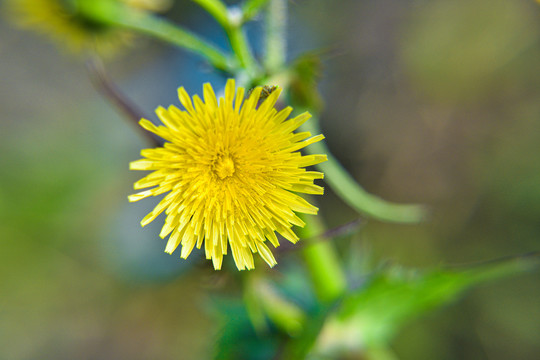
(370, 316)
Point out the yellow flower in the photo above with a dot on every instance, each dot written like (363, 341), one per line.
(154, 5)
(66, 25)
(231, 171)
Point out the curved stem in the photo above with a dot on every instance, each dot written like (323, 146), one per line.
(353, 194)
(233, 27)
(113, 13)
(217, 9)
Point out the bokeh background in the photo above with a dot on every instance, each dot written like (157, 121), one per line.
(428, 101)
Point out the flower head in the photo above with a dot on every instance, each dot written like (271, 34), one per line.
(231, 171)
(63, 21)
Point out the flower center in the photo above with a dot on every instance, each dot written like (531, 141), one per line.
(224, 166)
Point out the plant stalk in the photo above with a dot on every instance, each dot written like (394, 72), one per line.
(276, 36)
(353, 194)
(322, 262)
(116, 14)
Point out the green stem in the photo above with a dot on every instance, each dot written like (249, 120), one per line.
(217, 9)
(321, 258)
(353, 194)
(242, 50)
(116, 14)
(233, 28)
(322, 262)
(276, 32)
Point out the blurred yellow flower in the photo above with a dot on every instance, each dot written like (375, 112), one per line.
(62, 21)
(154, 5)
(231, 170)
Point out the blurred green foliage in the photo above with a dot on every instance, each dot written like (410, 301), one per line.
(476, 43)
(424, 101)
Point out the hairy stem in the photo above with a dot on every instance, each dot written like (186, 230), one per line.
(276, 35)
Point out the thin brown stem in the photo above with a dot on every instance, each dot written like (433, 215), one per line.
(533, 256)
(346, 228)
(110, 91)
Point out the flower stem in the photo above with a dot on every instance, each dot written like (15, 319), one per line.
(275, 32)
(321, 258)
(233, 28)
(322, 262)
(353, 194)
(242, 50)
(110, 91)
(116, 14)
(217, 9)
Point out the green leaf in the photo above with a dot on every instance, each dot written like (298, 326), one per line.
(369, 317)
